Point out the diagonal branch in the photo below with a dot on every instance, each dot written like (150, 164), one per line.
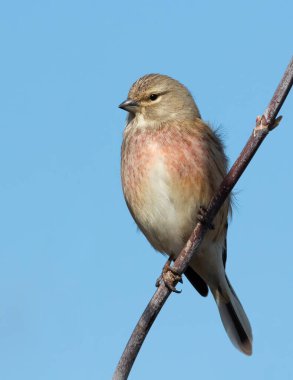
(264, 125)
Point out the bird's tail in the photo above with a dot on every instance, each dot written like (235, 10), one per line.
(233, 317)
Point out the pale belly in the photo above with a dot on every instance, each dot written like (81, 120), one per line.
(168, 217)
(166, 206)
(170, 214)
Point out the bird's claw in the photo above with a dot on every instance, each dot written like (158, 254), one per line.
(170, 277)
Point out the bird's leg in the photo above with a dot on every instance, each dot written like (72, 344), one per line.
(170, 277)
(201, 217)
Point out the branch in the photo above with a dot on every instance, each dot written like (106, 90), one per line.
(264, 125)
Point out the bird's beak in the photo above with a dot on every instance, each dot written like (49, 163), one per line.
(129, 105)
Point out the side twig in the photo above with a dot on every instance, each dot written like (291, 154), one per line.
(264, 125)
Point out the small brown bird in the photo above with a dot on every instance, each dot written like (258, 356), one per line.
(172, 163)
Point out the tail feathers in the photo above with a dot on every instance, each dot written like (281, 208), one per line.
(233, 317)
(197, 282)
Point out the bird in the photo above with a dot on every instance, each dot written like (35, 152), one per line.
(172, 162)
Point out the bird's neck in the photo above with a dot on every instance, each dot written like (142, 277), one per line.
(139, 121)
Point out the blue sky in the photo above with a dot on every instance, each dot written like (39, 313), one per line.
(75, 274)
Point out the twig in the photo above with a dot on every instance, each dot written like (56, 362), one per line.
(264, 125)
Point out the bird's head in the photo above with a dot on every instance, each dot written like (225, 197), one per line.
(160, 98)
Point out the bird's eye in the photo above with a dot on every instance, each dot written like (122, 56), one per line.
(153, 97)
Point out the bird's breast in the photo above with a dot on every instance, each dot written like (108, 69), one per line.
(164, 182)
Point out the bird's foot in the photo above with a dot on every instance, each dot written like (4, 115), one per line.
(201, 217)
(170, 277)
